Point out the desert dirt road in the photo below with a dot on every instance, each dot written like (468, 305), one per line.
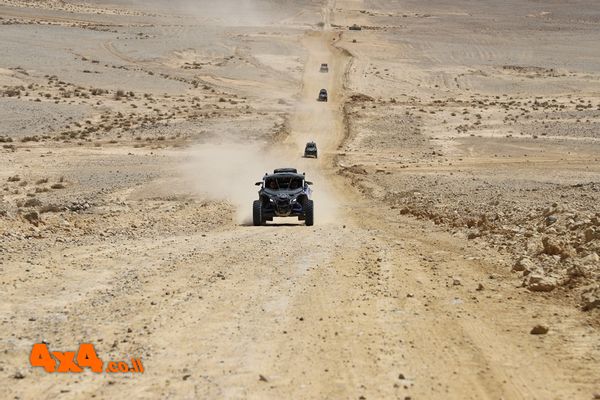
(366, 304)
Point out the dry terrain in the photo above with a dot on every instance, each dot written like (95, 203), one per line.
(455, 253)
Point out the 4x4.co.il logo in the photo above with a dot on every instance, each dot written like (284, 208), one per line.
(86, 358)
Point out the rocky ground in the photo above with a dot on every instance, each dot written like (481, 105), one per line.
(498, 145)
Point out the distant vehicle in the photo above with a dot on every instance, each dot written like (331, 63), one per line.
(324, 68)
(355, 28)
(284, 193)
(323, 95)
(310, 150)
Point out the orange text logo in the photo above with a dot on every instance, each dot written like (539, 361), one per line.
(86, 357)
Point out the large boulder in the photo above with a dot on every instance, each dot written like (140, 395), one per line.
(536, 282)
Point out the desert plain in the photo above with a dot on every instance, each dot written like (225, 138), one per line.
(455, 251)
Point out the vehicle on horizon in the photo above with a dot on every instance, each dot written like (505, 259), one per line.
(284, 193)
(310, 150)
(323, 95)
(324, 68)
(355, 27)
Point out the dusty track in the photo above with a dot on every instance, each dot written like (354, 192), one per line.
(366, 304)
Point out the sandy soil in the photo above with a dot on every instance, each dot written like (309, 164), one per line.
(456, 189)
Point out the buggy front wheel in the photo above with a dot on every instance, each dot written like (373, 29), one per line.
(257, 218)
(309, 213)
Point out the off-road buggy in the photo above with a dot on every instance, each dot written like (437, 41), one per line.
(310, 150)
(323, 95)
(284, 193)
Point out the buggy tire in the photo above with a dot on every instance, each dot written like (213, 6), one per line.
(309, 213)
(257, 218)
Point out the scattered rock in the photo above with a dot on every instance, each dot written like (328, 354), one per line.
(591, 258)
(589, 234)
(78, 206)
(552, 246)
(524, 264)
(536, 282)
(473, 235)
(18, 375)
(262, 378)
(479, 287)
(591, 298)
(539, 330)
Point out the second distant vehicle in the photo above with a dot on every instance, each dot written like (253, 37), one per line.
(310, 150)
(323, 95)
(324, 68)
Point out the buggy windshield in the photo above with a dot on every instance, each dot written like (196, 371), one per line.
(289, 182)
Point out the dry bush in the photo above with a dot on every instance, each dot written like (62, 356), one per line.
(51, 208)
(32, 203)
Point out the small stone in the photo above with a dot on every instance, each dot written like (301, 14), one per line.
(552, 246)
(591, 298)
(551, 219)
(539, 330)
(591, 258)
(401, 376)
(18, 375)
(589, 234)
(479, 287)
(456, 282)
(524, 264)
(262, 378)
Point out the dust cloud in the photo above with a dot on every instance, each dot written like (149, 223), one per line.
(229, 12)
(228, 171)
